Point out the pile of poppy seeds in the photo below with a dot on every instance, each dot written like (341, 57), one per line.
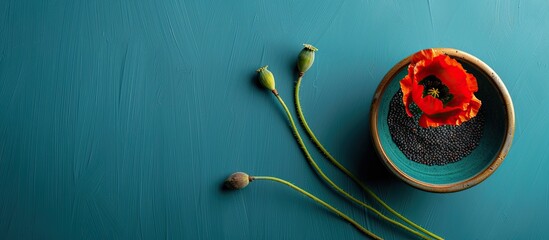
(432, 146)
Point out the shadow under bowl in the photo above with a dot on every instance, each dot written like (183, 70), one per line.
(498, 131)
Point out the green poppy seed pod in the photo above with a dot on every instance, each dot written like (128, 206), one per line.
(306, 58)
(238, 180)
(266, 78)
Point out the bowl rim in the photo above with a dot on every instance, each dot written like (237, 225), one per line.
(479, 177)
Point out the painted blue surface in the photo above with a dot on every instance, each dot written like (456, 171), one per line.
(120, 119)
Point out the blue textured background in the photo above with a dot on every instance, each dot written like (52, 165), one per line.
(120, 119)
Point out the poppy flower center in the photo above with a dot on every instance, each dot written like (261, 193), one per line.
(434, 92)
(435, 88)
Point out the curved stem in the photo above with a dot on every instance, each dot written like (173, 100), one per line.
(301, 118)
(319, 201)
(329, 181)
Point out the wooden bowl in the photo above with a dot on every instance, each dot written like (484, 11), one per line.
(498, 131)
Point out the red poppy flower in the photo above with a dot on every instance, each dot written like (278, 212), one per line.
(441, 88)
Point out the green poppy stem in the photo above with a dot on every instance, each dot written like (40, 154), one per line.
(319, 201)
(328, 180)
(317, 143)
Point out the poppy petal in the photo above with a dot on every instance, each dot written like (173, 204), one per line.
(406, 86)
(463, 104)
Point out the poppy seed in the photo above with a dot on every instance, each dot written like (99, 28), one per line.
(432, 146)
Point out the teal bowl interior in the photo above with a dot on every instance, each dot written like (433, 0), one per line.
(493, 147)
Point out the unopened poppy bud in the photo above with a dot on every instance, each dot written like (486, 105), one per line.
(266, 78)
(238, 180)
(306, 58)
